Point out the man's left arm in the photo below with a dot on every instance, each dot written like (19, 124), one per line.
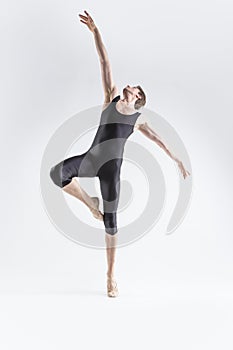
(147, 130)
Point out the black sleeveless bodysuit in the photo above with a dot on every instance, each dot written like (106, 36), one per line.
(103, 159)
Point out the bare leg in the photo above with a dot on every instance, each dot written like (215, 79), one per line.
(74, 189)
(111, 241)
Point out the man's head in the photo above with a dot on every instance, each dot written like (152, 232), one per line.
(135, 93)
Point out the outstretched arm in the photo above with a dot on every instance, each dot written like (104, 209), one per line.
(152, 135)
(110, 89)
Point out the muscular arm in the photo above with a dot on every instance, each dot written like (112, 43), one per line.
(147, 130)
(110, 89)
(151, 134)
(101, 50)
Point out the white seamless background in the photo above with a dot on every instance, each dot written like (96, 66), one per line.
(174, 290)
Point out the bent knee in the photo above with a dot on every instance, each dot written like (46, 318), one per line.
(56, 175)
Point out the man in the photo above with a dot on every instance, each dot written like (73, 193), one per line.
(125, 109)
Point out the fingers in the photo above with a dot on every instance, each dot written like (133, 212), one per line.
(86, 20)
(186, 174)
(86, 17)
(87, 14)
(183, 170)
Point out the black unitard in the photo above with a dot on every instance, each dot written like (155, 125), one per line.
(103, 159)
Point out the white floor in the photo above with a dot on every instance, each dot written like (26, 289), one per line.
(165, 316)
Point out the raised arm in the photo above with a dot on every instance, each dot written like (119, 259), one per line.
(147, 130)
(110, 89)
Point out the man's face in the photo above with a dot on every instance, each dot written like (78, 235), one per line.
(131, 90)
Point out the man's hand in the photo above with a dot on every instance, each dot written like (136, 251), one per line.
(88, 21)
(182, 169)
(110, 89)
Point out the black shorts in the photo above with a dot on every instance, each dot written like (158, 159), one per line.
(82, 165)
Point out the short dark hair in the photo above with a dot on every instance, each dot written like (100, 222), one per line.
(140, 101)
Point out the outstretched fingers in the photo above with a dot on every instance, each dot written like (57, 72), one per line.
(84, 17)
(87, 20)
(88, 15)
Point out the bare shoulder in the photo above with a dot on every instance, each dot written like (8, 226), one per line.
(108, 98)
(142, 120)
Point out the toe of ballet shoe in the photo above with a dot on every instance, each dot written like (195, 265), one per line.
(112, 291)
(113, 294)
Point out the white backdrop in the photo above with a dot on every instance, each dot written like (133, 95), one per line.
(174, 290)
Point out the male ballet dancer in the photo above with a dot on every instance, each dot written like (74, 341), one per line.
(64, 174)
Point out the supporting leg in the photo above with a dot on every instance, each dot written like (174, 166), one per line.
(110, 189)
(111, 241)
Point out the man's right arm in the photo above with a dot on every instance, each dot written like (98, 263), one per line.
(110, 89)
